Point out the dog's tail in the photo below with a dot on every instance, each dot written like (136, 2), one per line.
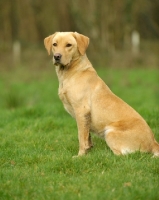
(155, 149)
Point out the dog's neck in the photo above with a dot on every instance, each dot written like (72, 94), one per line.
(80, 64)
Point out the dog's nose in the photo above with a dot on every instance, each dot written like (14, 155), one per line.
(57, 56)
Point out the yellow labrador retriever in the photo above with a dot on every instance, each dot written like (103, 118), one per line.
(89, 100)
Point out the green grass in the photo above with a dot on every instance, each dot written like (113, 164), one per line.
(38, 139)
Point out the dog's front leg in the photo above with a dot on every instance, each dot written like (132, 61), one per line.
(83, 124)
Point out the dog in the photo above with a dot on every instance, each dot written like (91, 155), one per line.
(94, 106)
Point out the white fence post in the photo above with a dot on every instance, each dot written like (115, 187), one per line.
(135, 40)
(16, 52)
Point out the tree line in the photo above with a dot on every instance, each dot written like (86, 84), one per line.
(109, 23)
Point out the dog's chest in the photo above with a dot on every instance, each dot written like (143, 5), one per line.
(64, 97)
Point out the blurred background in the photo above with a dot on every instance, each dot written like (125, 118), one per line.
(123, 33)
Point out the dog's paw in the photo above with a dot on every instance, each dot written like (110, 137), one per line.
(78, 156)
(80, 153)
(74, 157)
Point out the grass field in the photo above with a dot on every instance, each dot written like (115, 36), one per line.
(38, 139)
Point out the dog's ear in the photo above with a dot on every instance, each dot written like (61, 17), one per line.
(82, 42)
(48, 42)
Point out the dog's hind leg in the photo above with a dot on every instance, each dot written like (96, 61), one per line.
(114, 146)
(118, 143)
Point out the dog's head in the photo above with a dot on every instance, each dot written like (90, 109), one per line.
(66, 47)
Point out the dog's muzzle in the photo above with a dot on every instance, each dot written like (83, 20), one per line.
(57, 57)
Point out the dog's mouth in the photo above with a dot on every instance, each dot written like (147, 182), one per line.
(61, 65)
(57, 63)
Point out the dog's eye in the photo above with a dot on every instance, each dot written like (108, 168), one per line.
(54, 44)
(68, 45)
